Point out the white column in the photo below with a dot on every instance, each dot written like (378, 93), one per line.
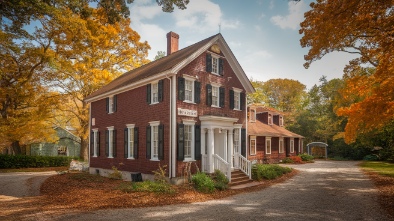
(210, 148)
(230, 143)
(204, 162)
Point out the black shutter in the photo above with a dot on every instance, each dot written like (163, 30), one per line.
(98, 143)
(243, 142)
(209, 63)
(160, 90)
(221, 96)
(114, 103)
(209, 94)
(161, 142)
(197, 143)
(114, 143)
(126, 141)
(220, 66)
(181, 88)
(181, 133)
(242, 100)
(107, 143)
(148, 142)
(148, 93)
(197, 92)
(107, 104)
(136, 143)
(231, 99)
(91, 143)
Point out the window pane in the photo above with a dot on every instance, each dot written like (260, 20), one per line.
(155, 142)
(188, 141)
(215, 96)
(215, 65)
(131, 142)
(188, 90)
(155, 90)
(236, 100)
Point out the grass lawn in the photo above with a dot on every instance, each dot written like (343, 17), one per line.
(380, 167)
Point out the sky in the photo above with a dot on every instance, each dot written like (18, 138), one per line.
(262, 34)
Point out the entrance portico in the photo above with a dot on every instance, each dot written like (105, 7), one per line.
(217, 143)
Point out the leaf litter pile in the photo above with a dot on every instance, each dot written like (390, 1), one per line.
(82, 191)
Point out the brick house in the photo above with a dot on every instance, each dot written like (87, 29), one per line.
(189, 106)
(269, 141)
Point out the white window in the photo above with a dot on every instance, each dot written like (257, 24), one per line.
(236, 140)
(95, 142)
(155, 139)
(111, 104)
(268, 145)
(281, 121)
(215, 65)
(291, 146)
(130, 141)
(281, 146)
(252, 115)
(189, 139)
(110, 142)
(215, 96)
(252, 145)
(155, 93)
(269, 119)
(237, 98)
(189, 88)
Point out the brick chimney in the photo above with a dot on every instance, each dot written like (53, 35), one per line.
(172, 42)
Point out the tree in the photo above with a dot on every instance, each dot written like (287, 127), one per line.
(360, 27)
(160, 54)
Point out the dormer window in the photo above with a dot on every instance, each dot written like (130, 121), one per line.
(281, 121)
(252, 115)
(269, 119)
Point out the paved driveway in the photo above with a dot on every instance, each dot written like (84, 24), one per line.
(325, 190)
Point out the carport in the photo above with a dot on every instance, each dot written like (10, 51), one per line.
(316, 144)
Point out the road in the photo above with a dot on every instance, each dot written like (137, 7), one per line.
(324, 190)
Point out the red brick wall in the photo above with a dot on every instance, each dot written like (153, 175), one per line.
(132, 108)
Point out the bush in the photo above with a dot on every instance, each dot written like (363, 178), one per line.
(268, 171)
(296, 159)
(306, 157)
(371, 157)
(287, 160)
(116, 174)
(220, 180)
(25, 161)
(203, 183)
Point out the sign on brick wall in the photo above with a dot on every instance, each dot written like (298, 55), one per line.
(187, 112)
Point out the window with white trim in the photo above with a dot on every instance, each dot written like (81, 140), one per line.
(268, 145)
(215, 65)
(269, 119)
(95, 142)
(292, 146)
(252, 115)
(110, 142)
(252, 148)
(281, 146)
(154, 140)
(215, 96)
(236, 140)
(189, 139)
(130, 141)
(155, 92)
(281, 121)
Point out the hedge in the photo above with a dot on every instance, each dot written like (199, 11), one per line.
(24, 161)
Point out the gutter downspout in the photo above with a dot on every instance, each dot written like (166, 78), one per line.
(90, 128)
(173, 125)
(170, 143)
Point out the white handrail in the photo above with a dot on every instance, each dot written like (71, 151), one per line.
(244, 165)
(222, 165)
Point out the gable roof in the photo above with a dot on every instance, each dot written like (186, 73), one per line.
(169, 65)
(259, 128)
(261, 108)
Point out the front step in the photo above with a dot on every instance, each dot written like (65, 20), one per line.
(238, 178)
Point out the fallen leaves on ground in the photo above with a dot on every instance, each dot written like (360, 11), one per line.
(76, 192)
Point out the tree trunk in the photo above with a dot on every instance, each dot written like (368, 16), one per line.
(84, 149)
(16, 147)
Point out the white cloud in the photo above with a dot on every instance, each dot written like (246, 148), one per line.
(203, 16)
(293, 19)
(144, 9)
(272, 5)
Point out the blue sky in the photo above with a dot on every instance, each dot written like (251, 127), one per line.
(263, 35)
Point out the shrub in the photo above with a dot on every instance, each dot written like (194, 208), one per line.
(306, 157)
(25, 161)
(296, 159)
(268, 171)
(116, 174)
(220, 180)
(160, 174)
(203, 183)
(287, 160)
(146, 186)
(371, 157)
